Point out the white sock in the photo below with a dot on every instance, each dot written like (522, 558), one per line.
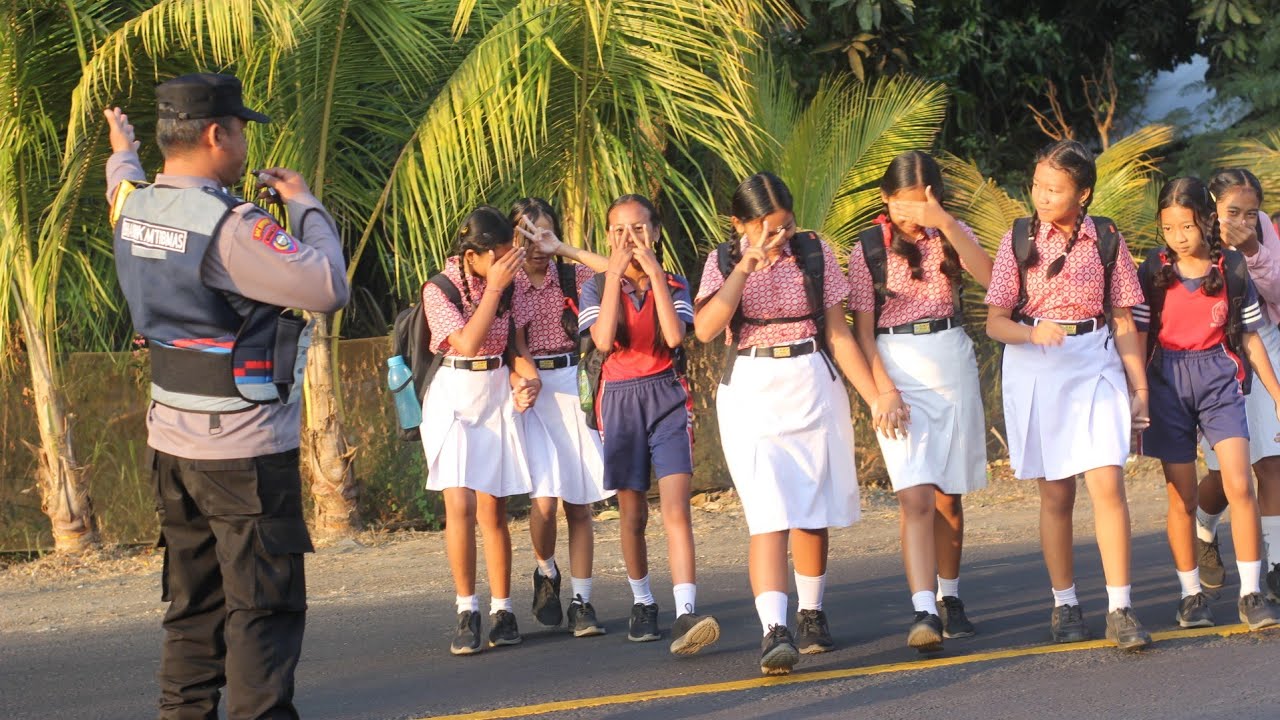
(581, 588)
(1250, 576)
(948, 588)
(809, 591)
(640, 591)
(1118, 597)
(467, 602)
(1065, 597)
(1207, 525)
(496, 604)
(548, 567)
(1271, 539)
(1190, 582)
(771, 606)
(923, 601)
(686, 598)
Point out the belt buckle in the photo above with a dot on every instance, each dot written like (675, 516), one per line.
(921, 328)
(1072, 329)
(783, 351)
(547, 364)
(479, 364)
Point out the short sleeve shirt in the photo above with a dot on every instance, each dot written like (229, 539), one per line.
(1192, 321)
(930, 297)
(541, 308)
(1076, 292)
(777, 292)
(642, 355)
(444, 318)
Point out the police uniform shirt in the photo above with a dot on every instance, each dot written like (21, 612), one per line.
(307, 273)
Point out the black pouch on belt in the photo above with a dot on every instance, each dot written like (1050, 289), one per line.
(289, 327)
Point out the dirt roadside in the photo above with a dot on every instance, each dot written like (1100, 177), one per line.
(119, 586)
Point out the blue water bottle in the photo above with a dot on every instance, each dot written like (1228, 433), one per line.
(400, 381)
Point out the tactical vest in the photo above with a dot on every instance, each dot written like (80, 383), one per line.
(211, 351)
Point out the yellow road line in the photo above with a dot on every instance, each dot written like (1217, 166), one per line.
(763, 682)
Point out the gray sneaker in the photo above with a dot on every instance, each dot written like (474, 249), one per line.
(692, 632)
(582, 619)
(1066, 624)
(812, 634)
(1125, 631)
(778, 652)
(504, 630)
(925, 634)
(1273, 583)
(546, 599)
(1212, 572)
(955, 624)
(467, 639)
(1256, 612)
(644, 623)
(1193, 611)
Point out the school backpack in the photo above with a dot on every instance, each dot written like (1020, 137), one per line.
(875, 254)
(1108, 249)
(1236, 275)
(569, 288)
(807, 248)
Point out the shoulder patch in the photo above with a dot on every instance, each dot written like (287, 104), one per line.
(265, 230)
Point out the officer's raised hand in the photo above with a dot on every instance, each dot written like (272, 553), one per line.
(120, 130)
(289, 183)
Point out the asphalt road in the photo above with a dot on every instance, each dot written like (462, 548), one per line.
(391, 660)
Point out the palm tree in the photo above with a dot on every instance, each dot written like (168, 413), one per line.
(1262, 156)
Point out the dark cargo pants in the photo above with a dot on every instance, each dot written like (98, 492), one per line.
(234, 536)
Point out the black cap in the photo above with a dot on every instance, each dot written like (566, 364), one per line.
(203, 95)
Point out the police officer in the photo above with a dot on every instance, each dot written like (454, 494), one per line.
(207, 277)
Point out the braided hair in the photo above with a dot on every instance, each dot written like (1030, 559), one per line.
(1073, 159)
(1191, 193)
(485, 229)
(910, 170)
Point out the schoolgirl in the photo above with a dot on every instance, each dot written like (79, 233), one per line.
(1246, 229)
(1067, 406)
(783, 412)
(909, 326)
(1201, 314)
(472, 443)
(562, 452)
(638, 313)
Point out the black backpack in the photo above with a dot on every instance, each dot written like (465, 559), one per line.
(569, 287)
(876, 257)
(1108, 249)
(411, 339)
(807, 248)
(1236, 276)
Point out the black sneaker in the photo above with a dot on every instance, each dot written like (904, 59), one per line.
(1212, 572)
(467, 640)
(546, 599)
(1256, 612)
(1193, 611)
(692, 632)
(1273, 583)
(955, 624)
(644, 623)
(1066, 625)
(504, 630)
(812, 634)
(925, 634)
(778, 652)
(582, 619)
(1125, 631)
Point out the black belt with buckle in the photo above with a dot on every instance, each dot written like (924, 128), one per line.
(1080, 327)
(555, 362)
(782, 351)
(473, 364)
(920, 327)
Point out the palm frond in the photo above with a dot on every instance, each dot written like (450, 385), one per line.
(1261, 156)
(1126, 172)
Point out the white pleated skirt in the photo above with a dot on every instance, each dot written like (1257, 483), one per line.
(946, 439)
(470, 434)
(787, 435)
(1066, 408)
(563, 454)
(1264, 427)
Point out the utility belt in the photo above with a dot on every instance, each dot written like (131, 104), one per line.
(479, 364)
(556, 362)
(1080, 327)
(804, 347)
(920, 327)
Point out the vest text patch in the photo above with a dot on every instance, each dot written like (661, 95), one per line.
(159, 237)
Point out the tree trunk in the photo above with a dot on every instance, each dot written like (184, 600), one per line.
(327, 463)
(63, 482)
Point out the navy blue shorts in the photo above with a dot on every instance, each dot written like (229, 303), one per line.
(646, 425)
(1190, 389)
